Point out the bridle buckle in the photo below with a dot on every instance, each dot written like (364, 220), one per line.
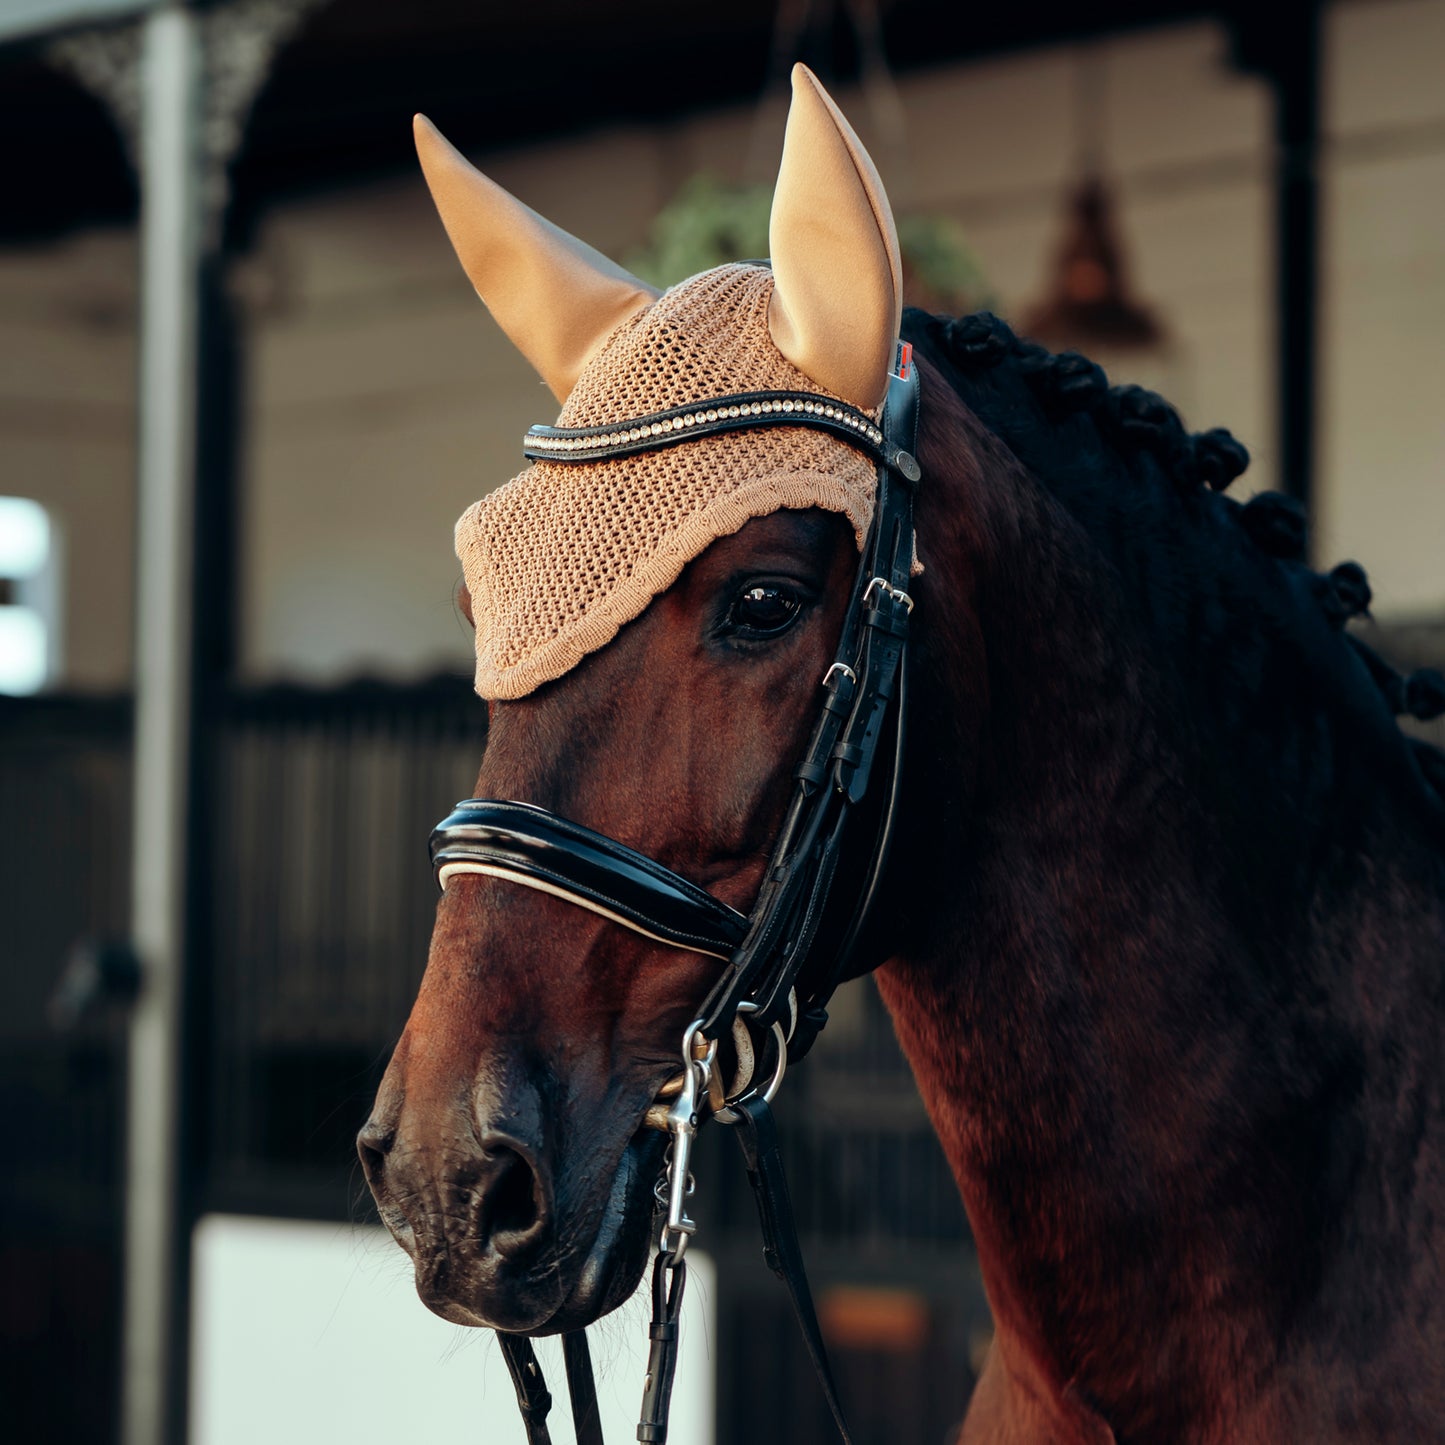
(882, 584)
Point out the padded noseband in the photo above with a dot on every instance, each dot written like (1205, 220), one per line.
(538, 849)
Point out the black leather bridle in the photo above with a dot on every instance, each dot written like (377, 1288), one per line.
(780, 968)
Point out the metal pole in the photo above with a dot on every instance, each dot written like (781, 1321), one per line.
(1297, 138)
(166, 480)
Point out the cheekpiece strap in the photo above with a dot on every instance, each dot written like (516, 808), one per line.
(745, 411)
(834, 773)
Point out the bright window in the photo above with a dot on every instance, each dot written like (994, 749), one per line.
(27, 593)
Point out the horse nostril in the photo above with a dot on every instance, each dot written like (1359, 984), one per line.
(372, 1146)
(512, 1210)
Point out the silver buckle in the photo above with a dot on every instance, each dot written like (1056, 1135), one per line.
(884, 585)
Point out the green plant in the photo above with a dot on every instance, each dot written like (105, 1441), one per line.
(709, 222)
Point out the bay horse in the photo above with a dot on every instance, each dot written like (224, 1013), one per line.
(1162, 926)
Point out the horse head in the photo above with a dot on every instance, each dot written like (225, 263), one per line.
(650, 630)
(1162, 935)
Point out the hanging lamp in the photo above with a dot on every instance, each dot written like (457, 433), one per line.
(1088, 303)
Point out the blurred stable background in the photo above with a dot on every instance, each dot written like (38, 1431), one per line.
(232, 782)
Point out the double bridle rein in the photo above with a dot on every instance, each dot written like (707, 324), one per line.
(780, 971)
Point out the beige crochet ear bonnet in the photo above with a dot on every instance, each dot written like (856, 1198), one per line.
(565, 554)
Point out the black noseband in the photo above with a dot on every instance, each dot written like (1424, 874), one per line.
(531, 846)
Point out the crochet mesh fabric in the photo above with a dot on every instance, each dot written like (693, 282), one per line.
(560, 558)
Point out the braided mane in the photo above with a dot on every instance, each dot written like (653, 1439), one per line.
(1060, 417)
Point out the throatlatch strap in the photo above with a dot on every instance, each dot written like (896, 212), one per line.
(533, 1398)
(758, 1136)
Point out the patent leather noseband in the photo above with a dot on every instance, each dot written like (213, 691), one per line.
(537, 849)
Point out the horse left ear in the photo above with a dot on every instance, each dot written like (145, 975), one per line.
(556, 298)
(838, 297)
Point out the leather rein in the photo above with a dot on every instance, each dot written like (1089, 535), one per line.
(779, 973)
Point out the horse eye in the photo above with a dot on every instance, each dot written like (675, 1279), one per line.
(764, 611)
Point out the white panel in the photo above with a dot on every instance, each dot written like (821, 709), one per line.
(24, 537)
(306, 1332)
(22, 651)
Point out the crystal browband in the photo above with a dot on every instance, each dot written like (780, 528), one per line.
(742, 412)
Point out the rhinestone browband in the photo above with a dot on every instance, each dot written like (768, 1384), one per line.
(707, 418)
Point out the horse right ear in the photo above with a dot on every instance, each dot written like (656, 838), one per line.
(839, 294)
(556, 298)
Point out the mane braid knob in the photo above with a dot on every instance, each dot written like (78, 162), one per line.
(1219, 458)
(979, 340)
(1032, 360)
(1145, 416)
(1276, 525)
(1141, 419)
(1424, 695)
(1077, 383)
(1343, 593)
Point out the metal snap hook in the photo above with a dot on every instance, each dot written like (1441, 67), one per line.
(682, 1122)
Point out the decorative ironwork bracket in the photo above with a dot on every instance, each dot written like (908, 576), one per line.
(239, 41)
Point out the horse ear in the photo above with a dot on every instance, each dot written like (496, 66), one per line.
(838, 297)
(556, 298)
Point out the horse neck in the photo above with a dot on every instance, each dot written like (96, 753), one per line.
(1152, 1066)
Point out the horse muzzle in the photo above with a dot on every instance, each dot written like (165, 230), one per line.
(477, 1209)
(476, 1214)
